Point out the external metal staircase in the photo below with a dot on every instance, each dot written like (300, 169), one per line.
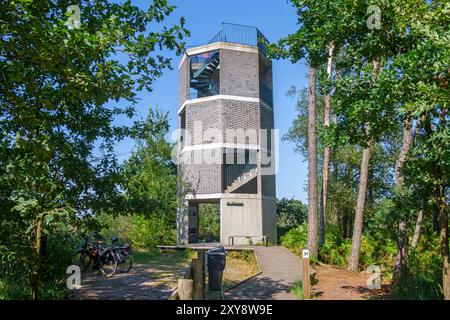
(202, 78)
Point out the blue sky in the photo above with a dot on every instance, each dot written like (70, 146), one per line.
(275, 19)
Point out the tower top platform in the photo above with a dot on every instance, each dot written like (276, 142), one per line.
(240, 34)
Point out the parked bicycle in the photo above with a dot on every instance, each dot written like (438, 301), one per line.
(82, 256)
(123, 255)
(97, 255)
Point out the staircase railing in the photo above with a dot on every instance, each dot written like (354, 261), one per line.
(213, 90)
(234, 171)
(198, 72)
(246, 35)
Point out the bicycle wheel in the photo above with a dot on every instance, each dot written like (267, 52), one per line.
(126, 262)
(85, 262)
(109, 264)
(81, 259)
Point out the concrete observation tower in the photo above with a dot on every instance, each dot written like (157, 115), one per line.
(226, 141)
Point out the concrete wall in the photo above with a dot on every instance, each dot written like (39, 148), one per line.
(183, 224)
(269, 211)
(183, 81)
(245, 220)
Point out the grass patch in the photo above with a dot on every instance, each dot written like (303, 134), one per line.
(10, 290)
(157, 257)
(297, 291)
(241, 265)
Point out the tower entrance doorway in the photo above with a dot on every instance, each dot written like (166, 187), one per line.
(204, 222)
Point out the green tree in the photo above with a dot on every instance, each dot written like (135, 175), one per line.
(209, 221)
(291, 213)
(61, 87)
(150, 176)
(393, 81)
(150, 184)
(426, 99)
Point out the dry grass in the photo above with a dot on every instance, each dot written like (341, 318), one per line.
(240, 266)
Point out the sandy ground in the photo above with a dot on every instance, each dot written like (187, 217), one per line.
(340, 284)
(153, 281)
(143, 282)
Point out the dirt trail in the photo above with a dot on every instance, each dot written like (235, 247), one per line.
(340, 284)
(143, 282)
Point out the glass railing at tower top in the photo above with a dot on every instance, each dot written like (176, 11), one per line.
(240, 34)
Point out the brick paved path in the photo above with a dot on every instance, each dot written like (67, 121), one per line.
(143, 282)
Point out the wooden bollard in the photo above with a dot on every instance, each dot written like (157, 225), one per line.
(306, 279)
(185, 289)
(198, 275)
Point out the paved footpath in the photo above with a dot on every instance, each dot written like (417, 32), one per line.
(280, 270)
(143, 282)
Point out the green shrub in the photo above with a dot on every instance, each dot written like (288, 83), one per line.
(15, 282)
(148, 232)
(297, 291)
(424, 275)
(335, 250)
(296, 239)
(120, 226)
(142, 232)
(245, 255)
(209, 215)
(334, 253)
(424, 272)
(372, 252)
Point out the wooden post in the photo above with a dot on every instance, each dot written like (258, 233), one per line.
(202, 258)
(198, 275)
(306, 279)
(185, 289)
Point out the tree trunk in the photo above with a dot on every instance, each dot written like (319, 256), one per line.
(440, 194)
(353, 263)
(443, 219)
(443, 237)
(420, 216)
(38, 250)
(326, 153)
(335, 208)
(436, 225)
(401, 259)
(417, 230)
(312, 164)
(347, 221)
(407, 142)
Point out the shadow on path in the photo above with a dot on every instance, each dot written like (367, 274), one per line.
(143, 282)
(280, 271)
